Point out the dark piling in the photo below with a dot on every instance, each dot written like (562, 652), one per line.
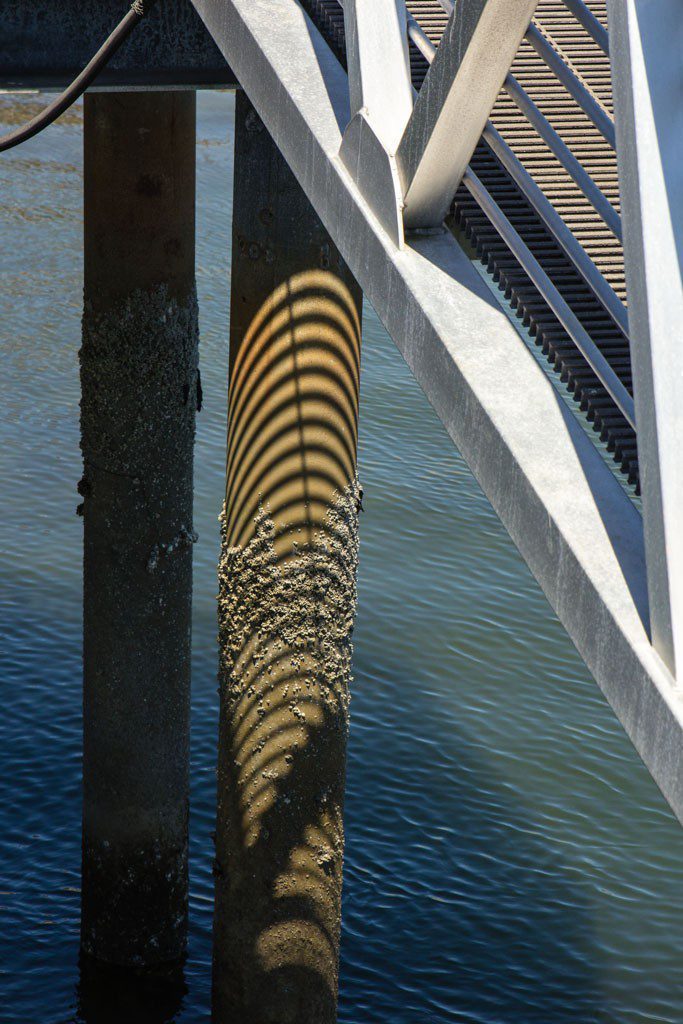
(140, 388)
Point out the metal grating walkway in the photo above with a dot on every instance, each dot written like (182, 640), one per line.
(579, 51)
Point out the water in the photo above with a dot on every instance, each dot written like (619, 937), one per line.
(509, 860)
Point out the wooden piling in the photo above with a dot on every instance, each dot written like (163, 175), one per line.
(140, 391)
(287, 599)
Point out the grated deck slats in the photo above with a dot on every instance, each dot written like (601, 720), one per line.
(592, 67)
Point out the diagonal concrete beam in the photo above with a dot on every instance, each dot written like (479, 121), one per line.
(646, 44)
(454, 103)
(381, 99)
(378, 66)
(573, 523)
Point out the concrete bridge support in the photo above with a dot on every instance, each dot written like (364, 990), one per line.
(287, 599)
(140, 392)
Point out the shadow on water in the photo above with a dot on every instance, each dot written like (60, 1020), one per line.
(493, 924)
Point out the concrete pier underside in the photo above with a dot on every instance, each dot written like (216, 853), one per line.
(45, 44)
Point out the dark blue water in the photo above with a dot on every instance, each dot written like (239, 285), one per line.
(509, 860)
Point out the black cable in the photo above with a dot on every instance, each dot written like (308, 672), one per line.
(55, 109)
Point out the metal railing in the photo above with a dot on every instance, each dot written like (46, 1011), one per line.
(591, 24)
(552, 296)
(561, 233)
(564, 237)
(559, 148)
(421, 40)
(572, 84)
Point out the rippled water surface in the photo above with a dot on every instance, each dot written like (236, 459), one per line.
(509, 860)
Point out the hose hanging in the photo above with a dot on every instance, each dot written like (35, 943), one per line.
(55, 109)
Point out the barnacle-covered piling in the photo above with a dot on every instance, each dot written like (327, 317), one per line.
(287, 597)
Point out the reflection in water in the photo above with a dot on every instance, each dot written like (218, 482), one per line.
(287, 604)
(119, 995)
